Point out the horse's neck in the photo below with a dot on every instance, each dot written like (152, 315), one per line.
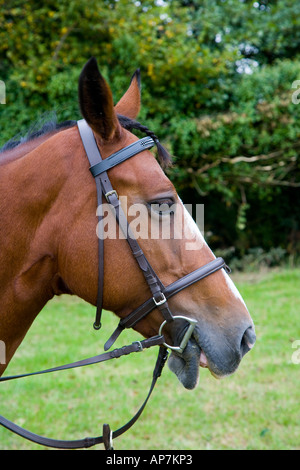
(21, 150)
(29, 187)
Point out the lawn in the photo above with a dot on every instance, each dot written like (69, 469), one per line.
(256, 408)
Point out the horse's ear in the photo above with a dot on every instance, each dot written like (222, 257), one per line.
(96, 101)
(130, 103)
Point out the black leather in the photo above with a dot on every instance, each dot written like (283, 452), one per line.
(122, 155)
(103, 182)
(91, 441)
(134, 317)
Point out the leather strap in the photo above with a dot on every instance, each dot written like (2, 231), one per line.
(103, 181)
(91, 441)
(122, 155)
(136, 346)
(134, 317)
(92, 152)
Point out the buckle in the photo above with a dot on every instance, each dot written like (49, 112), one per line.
(110, 193)
(161, 301)
(107, 437)
(139, 344)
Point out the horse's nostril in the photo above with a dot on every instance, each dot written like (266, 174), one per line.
(248, 340)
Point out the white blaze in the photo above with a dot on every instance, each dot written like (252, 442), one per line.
(193, 232)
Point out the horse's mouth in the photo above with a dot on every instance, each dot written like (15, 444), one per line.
(212, 349)
(186, 365)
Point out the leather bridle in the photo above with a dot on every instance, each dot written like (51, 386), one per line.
(159, 293)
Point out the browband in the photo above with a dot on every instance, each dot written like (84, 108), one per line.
(122, 155)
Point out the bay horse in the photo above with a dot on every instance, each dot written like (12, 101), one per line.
(49, 244)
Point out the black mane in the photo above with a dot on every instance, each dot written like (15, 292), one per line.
(35, 132)
(52, 125)
(130, 124)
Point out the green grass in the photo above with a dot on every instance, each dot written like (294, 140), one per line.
(256, 408)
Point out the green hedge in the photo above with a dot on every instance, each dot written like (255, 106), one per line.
(235, 136)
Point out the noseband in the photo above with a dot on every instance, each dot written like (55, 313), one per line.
(158, 299)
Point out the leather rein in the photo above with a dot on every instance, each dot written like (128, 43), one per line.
(159, 296)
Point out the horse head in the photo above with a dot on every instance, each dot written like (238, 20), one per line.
(224, 331)
(59, 253)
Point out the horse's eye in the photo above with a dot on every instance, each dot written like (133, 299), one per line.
(163, 206)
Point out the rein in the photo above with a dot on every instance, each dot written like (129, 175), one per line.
(159, 295)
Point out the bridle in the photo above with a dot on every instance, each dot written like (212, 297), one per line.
(159, 294)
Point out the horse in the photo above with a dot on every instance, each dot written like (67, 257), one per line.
(49, 242)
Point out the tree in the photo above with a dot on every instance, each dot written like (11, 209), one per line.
(216, 87)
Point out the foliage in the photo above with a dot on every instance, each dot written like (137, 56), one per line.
(255, 259)
(217, 87)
